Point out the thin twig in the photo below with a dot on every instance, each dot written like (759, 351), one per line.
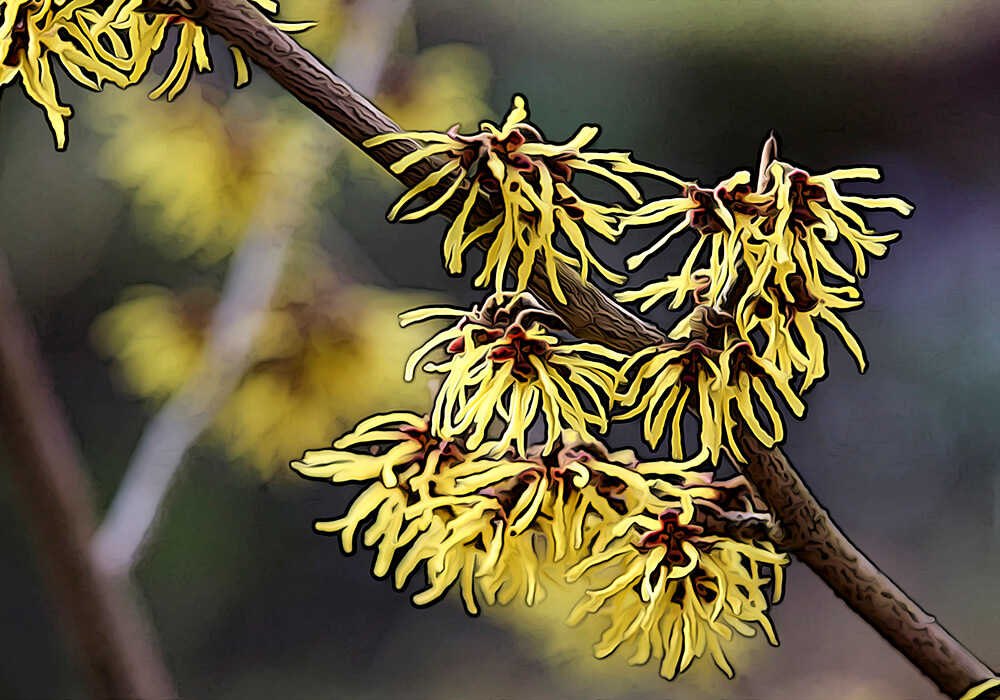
(591, 315)
(254, 275)
(236, 320)
(101, 615)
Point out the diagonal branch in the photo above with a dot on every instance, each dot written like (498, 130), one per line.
(811, 534)
(593, 313)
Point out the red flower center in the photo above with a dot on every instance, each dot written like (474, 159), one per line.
(801, 194)
(517, 348)
(669, 535)
(18, 36)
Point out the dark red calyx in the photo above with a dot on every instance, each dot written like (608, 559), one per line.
(518, 349)
(18, 37)
(801, 194)
(670, 534)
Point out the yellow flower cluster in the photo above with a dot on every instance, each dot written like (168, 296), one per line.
(201, 170)
(714, 370)
(99, 42)
(506, 363)
(678, 592)
(770, 255)
(527, 184)
(500, 526)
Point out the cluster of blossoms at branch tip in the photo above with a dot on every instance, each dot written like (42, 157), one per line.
(98, 43)
(505, 528)
(483, 495)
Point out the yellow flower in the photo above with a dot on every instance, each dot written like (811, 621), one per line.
(788, 317)
(506, 364)
(403, 492)
(711, 369)
(412, 461)
(155, 338)
(719, 218)
(199, 171)
(32, 33)
(810, 213)
(325, 357)
(771, 253)
(528, 182)
(567, 497)
(497, 526)
(147, 34)
(788, 256)
(421, 505)
(677, 592)
(204, 170)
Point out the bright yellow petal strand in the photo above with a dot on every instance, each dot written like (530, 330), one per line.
(529, 181)
(242, 68)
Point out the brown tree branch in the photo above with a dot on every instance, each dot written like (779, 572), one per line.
(741, 526)
(102, 617)
(591, 315)
(591, 312)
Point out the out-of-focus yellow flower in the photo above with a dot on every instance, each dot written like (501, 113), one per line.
(324, 358)
(33, 33)
(528, 182)
(505, 363)
(441, 85)
(333, 359)
(714, 369)
(155, 338)
(202, 168)
(677, 592)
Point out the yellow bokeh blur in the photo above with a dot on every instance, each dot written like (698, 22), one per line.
(327, 355)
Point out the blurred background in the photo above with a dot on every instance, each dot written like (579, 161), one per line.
(123, 246)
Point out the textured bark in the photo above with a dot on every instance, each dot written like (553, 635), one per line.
(102, 617)
(817, 541)
(740, 526)
(591, 315)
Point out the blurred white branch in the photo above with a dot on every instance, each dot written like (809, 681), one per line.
(254, 275)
